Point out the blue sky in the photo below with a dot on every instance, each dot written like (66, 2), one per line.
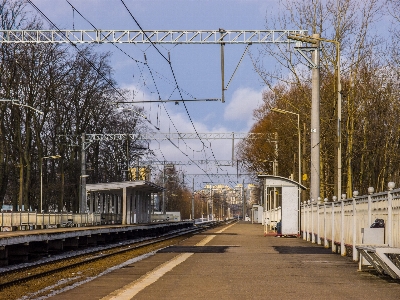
(197, 67)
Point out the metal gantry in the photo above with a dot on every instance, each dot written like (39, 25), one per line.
(220, 36)
(159, 136)
(189, 163)
(175, 136)
(87, 139)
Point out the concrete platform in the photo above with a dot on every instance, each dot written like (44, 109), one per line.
(239, 263)
(22, 246)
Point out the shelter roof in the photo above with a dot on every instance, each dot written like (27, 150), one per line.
(280, 181)
(140, 185)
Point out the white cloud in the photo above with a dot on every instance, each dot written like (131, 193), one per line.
(244, 101)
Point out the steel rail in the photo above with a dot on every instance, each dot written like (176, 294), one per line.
(116, 250)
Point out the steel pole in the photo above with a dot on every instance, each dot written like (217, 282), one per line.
(41, 184)
(193, 200)
(299, 189)
(82, 204)
(163, 193)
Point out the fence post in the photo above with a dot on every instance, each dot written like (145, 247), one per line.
(318, 229)
(342, 246)
(370, 192)
(391, 186)
(308, 222)
(305, 212)
(334, 198)
(325, 237)
(312, 222)
(355, 252)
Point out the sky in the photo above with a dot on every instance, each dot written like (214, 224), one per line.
(196, 68)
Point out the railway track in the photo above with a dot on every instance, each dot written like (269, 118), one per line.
(37, 271)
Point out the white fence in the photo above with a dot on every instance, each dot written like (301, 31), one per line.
(10, 221)
(339, 223)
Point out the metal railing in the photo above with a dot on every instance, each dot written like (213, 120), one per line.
(10, 221)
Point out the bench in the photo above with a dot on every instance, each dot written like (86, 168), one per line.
(385, 259)
(69, 223)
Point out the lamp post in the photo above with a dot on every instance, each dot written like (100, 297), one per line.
(315, 40)
(298, 134)
(41, 177)
(17, 103)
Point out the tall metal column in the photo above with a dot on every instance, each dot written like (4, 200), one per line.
(163, 193)
(315, 128)
(244, 203)
(193, 201)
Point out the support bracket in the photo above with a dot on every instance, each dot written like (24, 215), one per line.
(302, 51)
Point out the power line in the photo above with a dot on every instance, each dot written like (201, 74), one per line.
(172, 71)
(89, 62)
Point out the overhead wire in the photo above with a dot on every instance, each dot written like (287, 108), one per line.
(112, 85)
(145, 63)
(137, 61)
(109, 82)
(173, 74)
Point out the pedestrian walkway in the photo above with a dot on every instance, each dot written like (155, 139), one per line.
(239, 262)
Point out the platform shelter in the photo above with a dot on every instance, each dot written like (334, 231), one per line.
(282, 199)
(131, 199)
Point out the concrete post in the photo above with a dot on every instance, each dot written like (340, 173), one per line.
(318, 230)
(124, 206)
(391, 186)
(326, 245)
(82, 203)
(342, 246)
(333, 224)
(370, 191)
(308, 221)
(355, 252)
(305, 221)
(315, 130)
(312, 222)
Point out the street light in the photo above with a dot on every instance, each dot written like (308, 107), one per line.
(17, 103)
(314, 40)
(41, 177)
(298, 133)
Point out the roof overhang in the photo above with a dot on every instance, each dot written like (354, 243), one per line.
(140, 185)
(279, 180)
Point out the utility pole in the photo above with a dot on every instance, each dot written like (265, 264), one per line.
(244, 203)
(163, 193)
(82, 203)
(212, 204)
(315, 128)
(193, 200)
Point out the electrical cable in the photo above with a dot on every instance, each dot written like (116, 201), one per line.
(173, 74)
(137, 61)
(90, 63)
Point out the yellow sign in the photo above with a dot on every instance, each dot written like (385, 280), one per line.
(304, 178)
(141, 174)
